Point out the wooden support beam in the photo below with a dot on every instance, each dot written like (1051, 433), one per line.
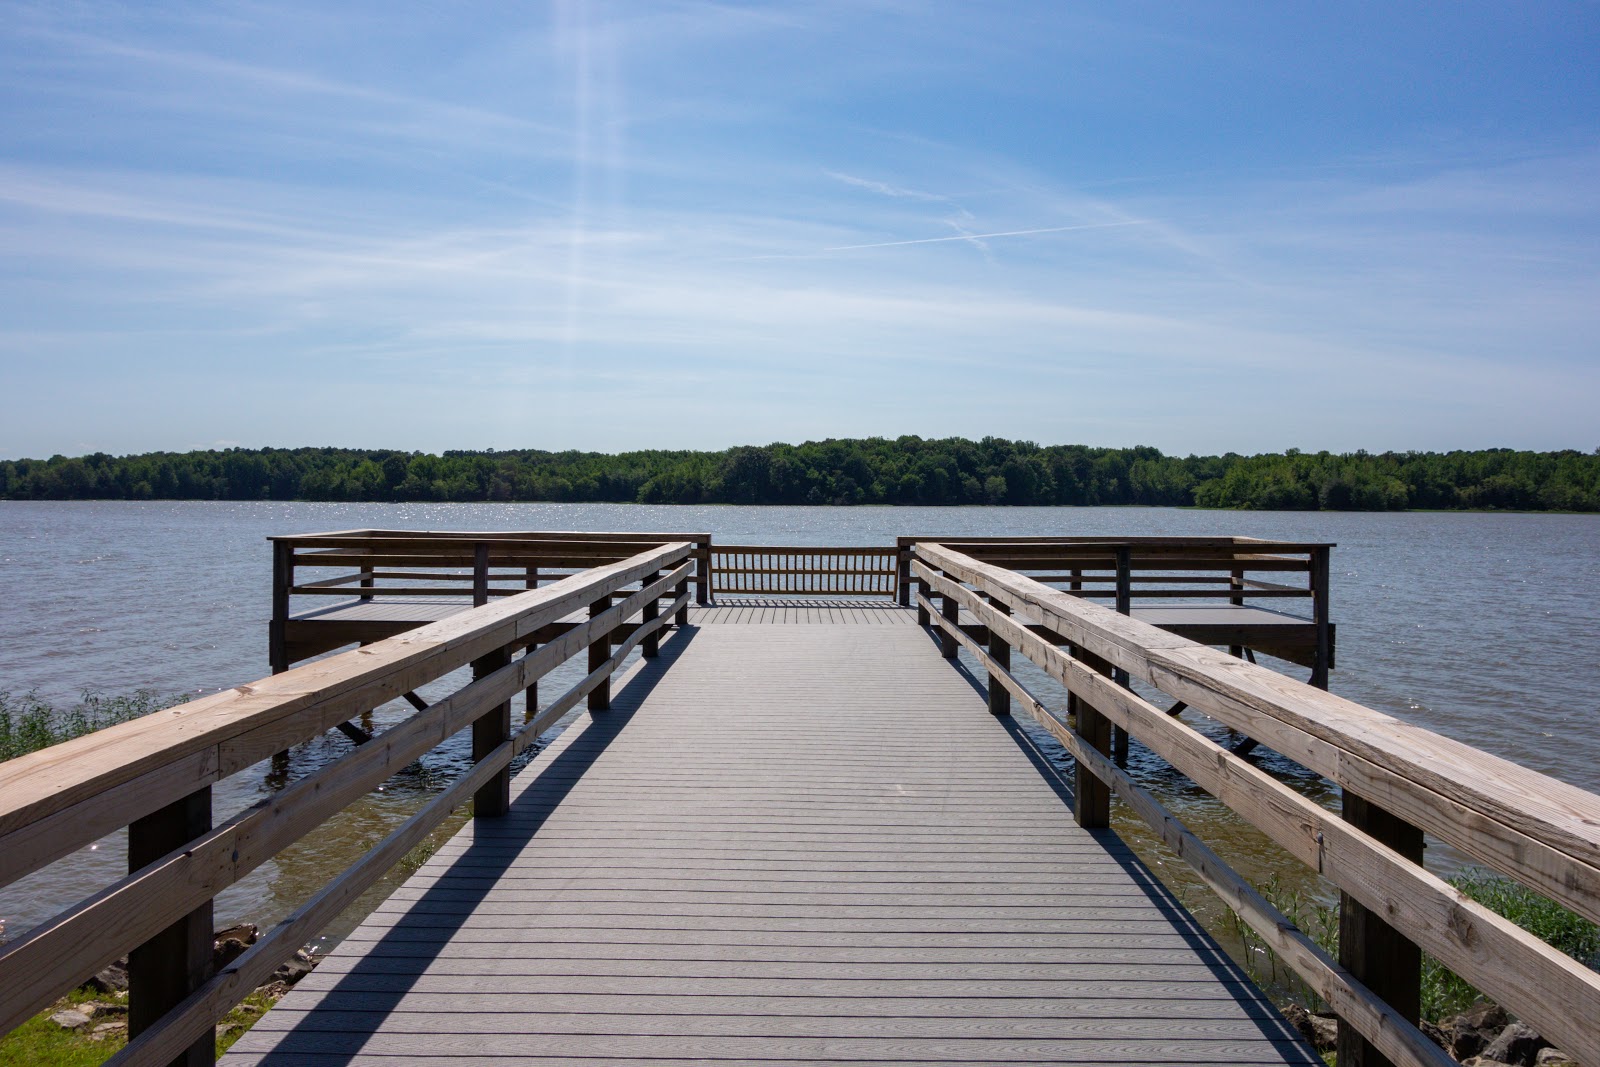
(678, 596)
(1377, 954)
(903, 577)
(177, 961)
(353, 732)
(489, 732)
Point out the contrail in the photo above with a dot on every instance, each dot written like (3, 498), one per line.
(982, 236)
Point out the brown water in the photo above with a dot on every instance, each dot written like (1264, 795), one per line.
(1483, 627)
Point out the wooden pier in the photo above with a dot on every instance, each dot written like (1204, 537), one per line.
(802, 827)
(783, 843)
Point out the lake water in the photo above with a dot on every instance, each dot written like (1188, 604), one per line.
(1483, 627)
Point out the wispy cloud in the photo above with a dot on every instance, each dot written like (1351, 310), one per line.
(670, 212)
(885, 189)
(977, 237)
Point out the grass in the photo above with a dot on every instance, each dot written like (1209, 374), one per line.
(1443, 992)
(1315, 919)
(42, 1043)
(28, 724)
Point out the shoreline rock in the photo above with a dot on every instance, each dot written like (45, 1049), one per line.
(112, 982)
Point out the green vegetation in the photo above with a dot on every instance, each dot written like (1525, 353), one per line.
(906, 470)
(1443, 993)
(42, 1043)
(28, 724)
(1317, 920)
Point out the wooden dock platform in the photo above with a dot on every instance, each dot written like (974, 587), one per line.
(795, 837)
(805, 827)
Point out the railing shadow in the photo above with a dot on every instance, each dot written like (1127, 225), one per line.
(374, 987)
(1256, 1005)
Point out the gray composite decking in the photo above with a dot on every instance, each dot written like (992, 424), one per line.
(784, 844)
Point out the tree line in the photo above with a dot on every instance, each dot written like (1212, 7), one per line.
(874, 470)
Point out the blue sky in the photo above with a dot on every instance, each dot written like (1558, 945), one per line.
(1205, 227)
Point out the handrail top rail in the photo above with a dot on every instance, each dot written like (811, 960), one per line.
(641, 536)
(1562, 816)
(1149, 541)
(42, 783)
(803, 550)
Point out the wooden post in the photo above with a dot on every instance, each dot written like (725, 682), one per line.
(599, 652)
(489, 732)
(1091, 796)
(1119, 736)
(177, 961)
(1377, 954)
(277, 628)
(902, 592)
(480, 574)
(702, 579)
(1000, 652)
(282, 582)
(1319, 617)
(530, 695)
(1236, 598)
(950, 608)
(683, 612)
(925, 590)
(650, 647)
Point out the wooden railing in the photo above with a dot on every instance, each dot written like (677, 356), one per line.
(804, 571)
(1225, 569)
(154, 775)
(1398, 782)
(1190, 570)
(393, 564)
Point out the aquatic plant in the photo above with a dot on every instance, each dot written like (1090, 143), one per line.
(28, 723)
(1444, 993)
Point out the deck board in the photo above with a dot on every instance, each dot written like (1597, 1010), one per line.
(787, 843)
